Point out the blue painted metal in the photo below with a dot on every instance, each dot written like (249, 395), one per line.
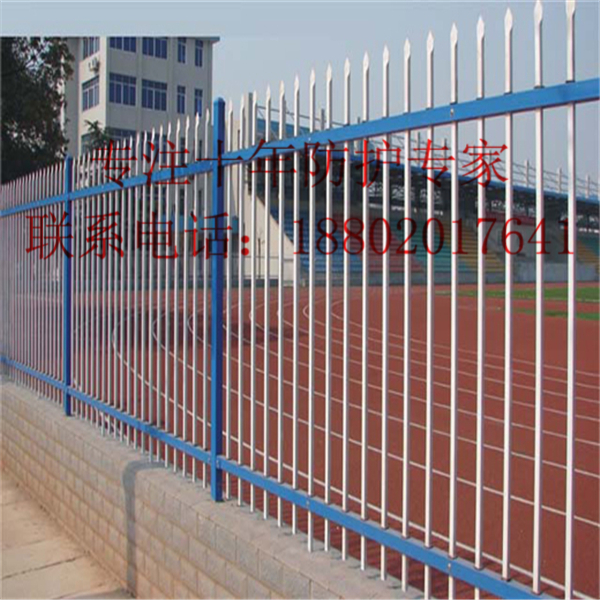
(526, 101)
(460, 569)
(67, 288)
(216, 350)
(437, 559)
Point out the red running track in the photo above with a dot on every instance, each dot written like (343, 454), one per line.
(587, 522)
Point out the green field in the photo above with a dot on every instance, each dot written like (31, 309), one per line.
(585, 293)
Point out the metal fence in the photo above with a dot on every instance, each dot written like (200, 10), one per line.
(336, 439)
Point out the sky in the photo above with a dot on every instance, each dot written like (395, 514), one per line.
(263, 43)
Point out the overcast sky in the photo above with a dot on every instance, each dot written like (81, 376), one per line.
(264, 43)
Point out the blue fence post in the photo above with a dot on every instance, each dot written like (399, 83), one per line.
(67, 288)
(216, 351)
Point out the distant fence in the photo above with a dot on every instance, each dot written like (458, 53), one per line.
(119, 344)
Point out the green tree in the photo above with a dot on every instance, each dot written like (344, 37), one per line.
(99, 138)
(33, 74)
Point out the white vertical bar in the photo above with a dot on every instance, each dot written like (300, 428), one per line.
(168, 284)
(205, 304)
(139, 191)
(297, 249)
(197, 261)
(102, 265)
(148, 252)
(454, 212)
(186, 261)
(131, 252)
(241, 293)
(364, 437)
(267, 306)
(539, 312)
(311, 317)
(253, 315)
(280, 305)
(122, 270)
(112, 321)
(508, 329)
(385, 317)
(176, 367)
(228, 172)
(481, 213)
(327, 497)
(406, 391)
(571, 309)
(346, 326)
(430, 331)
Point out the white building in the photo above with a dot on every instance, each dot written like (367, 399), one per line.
(131, 84)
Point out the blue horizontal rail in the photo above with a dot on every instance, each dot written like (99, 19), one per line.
(414, 549)
(546, 97)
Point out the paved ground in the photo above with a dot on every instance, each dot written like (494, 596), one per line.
(38, 559)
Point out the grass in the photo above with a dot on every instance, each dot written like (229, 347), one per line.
(584, 293)
(586, 316)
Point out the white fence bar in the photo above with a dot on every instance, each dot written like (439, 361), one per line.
(571, 308)
(296, 302)
(508, 310)
(346, 325)
(481, 329)
(539, 311)
(385, 315)
(364, 437)
(280, 303)
(454, 215)
(430, 330)
(328, 208)
(311, 317)
(269, 164)
(406, 387)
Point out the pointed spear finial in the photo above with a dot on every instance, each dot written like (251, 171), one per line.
(346, 68)
(538, 12)
(313, 77)
(570, 8)
(329, 74)
(407, 49)
(430, 42)
(386, 55)
(366, 61)
(296, 83)
(508, 21)
(480, 28)
(454, 35)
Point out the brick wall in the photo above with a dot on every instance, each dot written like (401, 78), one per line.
(161, 535)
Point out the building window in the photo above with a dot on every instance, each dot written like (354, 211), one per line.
(199, 52)
(155, 47)
(123, 43)
(198, 102)
(91, 45)
(122, 135)
(154, 95)
(90, 91)
(181, 99)
(181, 45)
(121, 89)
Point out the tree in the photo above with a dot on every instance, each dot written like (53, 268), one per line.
(99, 138)
(34, 71)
